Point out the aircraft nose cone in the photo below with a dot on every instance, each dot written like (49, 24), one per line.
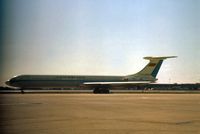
(7, 82)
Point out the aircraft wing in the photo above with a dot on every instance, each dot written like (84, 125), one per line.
(115, 84)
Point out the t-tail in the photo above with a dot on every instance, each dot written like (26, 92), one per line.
(150, 71)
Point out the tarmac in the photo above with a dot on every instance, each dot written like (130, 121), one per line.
(99, 113)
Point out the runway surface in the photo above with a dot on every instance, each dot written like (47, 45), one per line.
(100, 113)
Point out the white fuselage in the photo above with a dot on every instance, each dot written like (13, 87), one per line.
(53, 81)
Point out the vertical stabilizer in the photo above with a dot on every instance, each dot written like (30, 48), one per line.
(152, 68)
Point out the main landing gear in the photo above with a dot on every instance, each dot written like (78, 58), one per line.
(101, 91)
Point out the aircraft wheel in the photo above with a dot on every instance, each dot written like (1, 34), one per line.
(106, 91)
(96, 91)
(101, 91)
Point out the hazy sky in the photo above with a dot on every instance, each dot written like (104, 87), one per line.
(100, 37)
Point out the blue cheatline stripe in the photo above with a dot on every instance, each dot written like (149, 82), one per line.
(155, 71)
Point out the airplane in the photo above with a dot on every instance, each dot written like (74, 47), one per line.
(99, 84)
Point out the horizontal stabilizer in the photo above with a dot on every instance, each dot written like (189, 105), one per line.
(159, 58)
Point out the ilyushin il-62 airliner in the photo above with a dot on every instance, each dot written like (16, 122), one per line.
(99, 84)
